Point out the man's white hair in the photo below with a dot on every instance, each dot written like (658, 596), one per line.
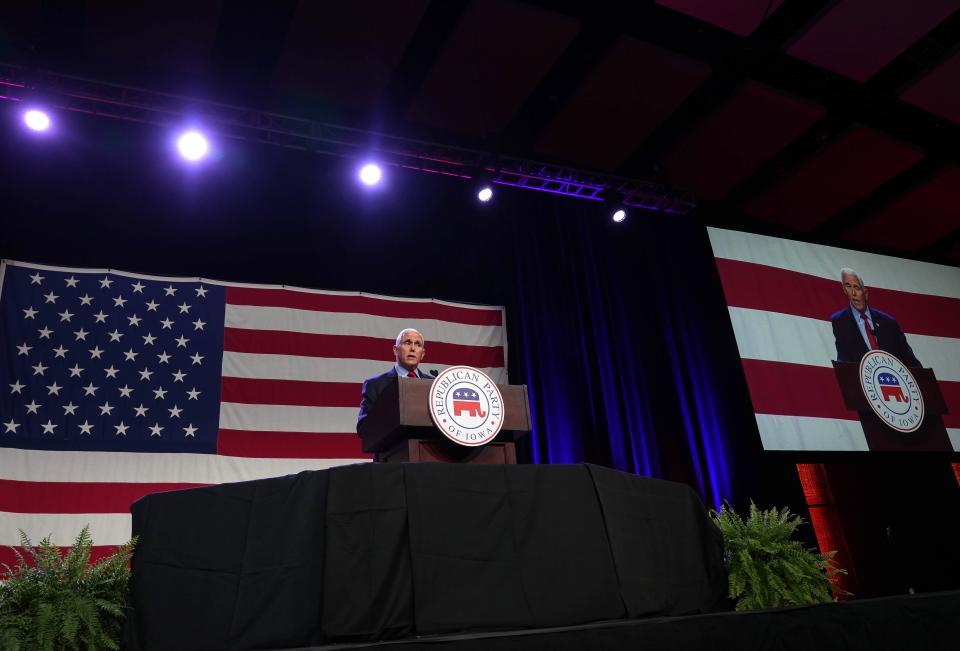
(847, 271)
(405, 331)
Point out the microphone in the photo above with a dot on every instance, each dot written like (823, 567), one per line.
(434, 372)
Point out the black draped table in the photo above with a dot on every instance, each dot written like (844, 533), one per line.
(369, 552)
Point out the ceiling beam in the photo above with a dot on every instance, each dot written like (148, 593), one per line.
(859, 211)
(730, 56)
(437, 24)
(560, 84)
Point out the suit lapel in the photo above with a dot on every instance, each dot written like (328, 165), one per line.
(855, 329)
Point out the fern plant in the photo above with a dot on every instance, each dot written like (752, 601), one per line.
(766, 567)
(50, 601)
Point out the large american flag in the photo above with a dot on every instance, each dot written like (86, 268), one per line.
(781, 293)
(114, 385)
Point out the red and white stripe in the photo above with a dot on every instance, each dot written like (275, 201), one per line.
(294, 362)
(780, 295)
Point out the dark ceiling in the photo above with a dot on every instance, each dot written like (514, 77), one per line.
(836, 122)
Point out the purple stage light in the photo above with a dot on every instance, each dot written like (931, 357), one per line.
(193, 146)
(370, 174)
(36, 120)
(619, 215)
(485, 194)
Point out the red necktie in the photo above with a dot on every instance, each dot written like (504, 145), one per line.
(412, 374)
(869, 328)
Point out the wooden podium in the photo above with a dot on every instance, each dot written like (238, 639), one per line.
(932, 434)
(400, 428)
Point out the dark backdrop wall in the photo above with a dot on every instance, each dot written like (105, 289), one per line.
(620, 331)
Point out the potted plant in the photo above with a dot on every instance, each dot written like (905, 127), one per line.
(766, 567)
(53, 601)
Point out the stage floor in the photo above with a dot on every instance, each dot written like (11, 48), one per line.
(910, 622)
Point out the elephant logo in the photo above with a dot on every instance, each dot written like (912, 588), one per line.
(467, 400)
(466, 405)
(890, 388)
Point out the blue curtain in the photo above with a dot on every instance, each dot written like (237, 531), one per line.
(617, 328)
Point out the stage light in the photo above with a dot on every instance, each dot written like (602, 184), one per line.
(370, 174)
(485, 194)
(193, 146)
(619, 215)
(36, 120)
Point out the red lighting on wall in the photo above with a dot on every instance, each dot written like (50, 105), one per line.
(826, 524)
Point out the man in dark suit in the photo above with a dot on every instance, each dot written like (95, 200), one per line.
(859, 327)
(408, 351)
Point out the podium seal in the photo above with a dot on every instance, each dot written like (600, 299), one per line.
(892, 391)
(466, 405)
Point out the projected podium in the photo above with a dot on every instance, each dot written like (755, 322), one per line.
(400, 428)
(930, 436)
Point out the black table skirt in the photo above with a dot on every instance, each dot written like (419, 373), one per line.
(369, 552)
